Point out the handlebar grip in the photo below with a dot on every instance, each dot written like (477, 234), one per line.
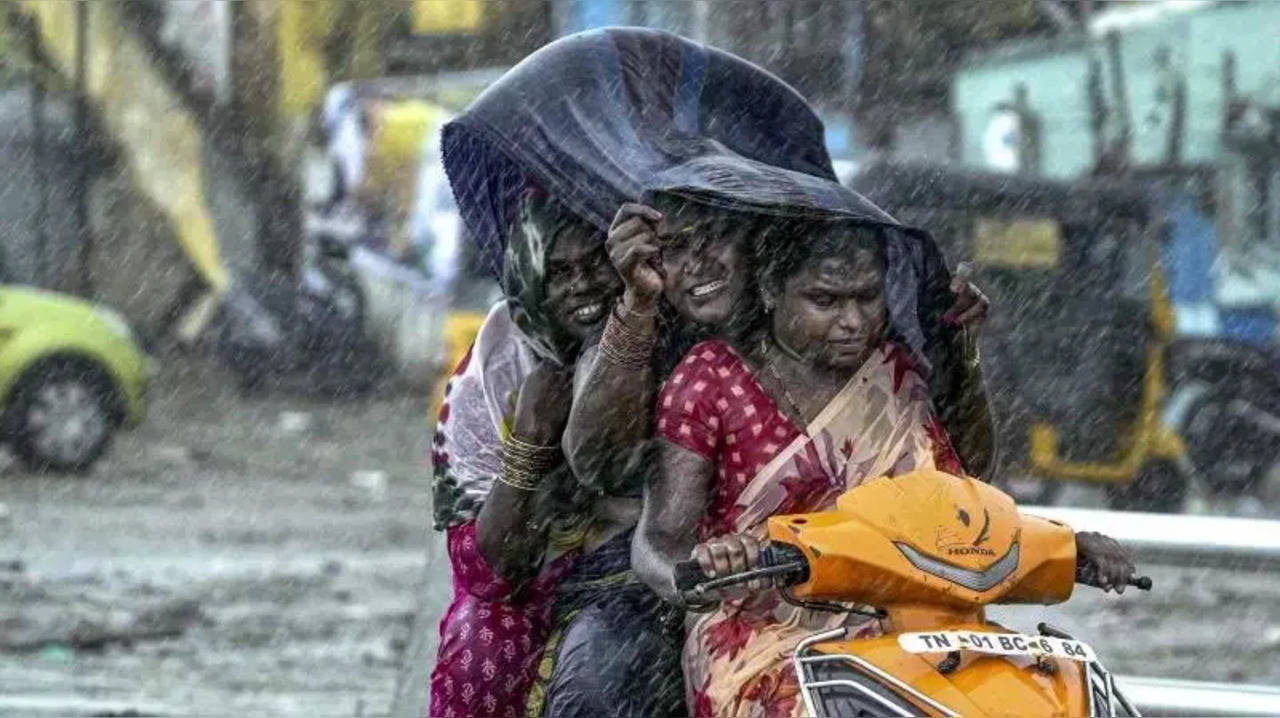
(1142, 583)
(689, 574)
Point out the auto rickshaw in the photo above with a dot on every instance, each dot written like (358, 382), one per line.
(1074, 350)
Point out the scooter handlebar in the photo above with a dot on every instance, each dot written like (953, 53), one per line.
(1142, 583)
(774, 560)
(689, 574)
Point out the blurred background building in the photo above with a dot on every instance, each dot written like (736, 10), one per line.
(194, 168)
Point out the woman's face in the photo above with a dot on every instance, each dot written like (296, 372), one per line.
(705, 266)
(832, 311)
(581, 283)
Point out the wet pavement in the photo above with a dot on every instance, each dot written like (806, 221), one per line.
(265, 557)
(230, 557)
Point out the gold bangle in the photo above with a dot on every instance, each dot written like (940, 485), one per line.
(622, 345)
(524, 464)
(515, 445)
(520, 479)
(621, 306)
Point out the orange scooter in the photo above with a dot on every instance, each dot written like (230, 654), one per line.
(929, 551)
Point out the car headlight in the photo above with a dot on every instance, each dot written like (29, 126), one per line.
(116, 323)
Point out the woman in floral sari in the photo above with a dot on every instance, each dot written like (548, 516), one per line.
(818, 401)
(823, 398)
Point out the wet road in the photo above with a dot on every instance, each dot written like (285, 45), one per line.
(264, 558)
(229, 558)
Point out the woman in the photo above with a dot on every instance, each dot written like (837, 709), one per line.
(825, 396)
(686, 271)
(616, 645)
(512, 512)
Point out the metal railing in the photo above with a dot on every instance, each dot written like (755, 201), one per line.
(1167, 697)
(1187, 542)
(1179, 539)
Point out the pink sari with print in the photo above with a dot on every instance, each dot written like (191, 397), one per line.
(880, 424)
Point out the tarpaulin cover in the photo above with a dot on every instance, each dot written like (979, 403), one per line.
(610, 116)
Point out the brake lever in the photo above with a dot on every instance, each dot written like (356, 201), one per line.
(747, 576)
(695, 597)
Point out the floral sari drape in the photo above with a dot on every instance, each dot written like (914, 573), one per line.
(880, 424)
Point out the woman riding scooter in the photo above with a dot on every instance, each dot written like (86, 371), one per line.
(827, 394)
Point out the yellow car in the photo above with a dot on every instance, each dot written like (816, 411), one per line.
(71, 374)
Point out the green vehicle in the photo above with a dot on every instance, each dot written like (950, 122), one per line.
(71, 375)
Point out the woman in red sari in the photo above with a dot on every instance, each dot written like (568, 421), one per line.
(822, 399)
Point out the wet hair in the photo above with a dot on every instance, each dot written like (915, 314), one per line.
(790, 244)
(708, 220)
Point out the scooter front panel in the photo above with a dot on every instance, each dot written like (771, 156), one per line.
(975, 685)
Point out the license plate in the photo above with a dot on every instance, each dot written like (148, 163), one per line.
(1000, 644)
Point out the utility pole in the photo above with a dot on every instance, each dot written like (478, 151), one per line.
(84, 152)
(39, 159)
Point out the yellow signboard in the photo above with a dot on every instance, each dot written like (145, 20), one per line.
(431, 17)
(301, 32)
(158, 134)
(1024, 243)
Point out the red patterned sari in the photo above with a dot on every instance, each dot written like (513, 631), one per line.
(880, 424)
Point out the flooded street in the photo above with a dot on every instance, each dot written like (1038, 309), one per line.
(234, 557)
(263, 557)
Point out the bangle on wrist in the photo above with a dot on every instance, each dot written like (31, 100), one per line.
(636, 321)
(622, 302)
(518, 446)
(623, 345)
(519, 481)
(524, 465)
